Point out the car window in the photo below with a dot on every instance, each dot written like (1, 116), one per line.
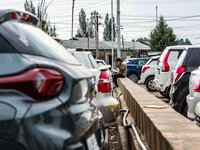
(80, 58)
(152, 62)
(5, 47)
(94, 63)
(100, 64)
(28, 39)
(173, 56)
(142, 62)
(135, 62)
(194, 58)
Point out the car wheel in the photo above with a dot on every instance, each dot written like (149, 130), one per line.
(150, 84)
(133, 77)
(165, 94)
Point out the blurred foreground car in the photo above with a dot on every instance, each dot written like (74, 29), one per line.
(45, 93)
(194, 93)
(134, 68)
(104, 100)
(148, 73)
(188, 61)
(165, 65)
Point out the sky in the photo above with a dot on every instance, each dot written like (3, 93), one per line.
(137, 17)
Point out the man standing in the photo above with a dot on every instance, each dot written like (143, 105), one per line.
(122, 71)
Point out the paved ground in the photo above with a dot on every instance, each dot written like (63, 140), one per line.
(155, 93)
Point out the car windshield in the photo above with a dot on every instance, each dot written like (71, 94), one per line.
(28, 39)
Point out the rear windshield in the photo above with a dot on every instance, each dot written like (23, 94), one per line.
(92, 60)
(28, 39)
(194, 58)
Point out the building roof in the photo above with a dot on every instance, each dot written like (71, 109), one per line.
(82, 43)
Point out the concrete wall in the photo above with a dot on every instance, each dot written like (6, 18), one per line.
(163, 129)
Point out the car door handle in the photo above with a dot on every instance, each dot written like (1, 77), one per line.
(137, 67)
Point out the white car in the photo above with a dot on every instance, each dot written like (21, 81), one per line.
(104, 100)
(165, 65)
(148, 73)
(194, 93)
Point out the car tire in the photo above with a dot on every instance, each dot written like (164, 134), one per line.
(133, 77)
(150, 85)
(165, 95)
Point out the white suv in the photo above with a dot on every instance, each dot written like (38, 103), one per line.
(165, 65)
(148, 73)
(194, 96)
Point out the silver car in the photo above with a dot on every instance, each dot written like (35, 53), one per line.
(194, 92)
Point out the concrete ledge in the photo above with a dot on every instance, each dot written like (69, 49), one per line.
(164, 129)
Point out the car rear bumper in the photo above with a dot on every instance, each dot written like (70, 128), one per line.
(107, 105)
(192, 101)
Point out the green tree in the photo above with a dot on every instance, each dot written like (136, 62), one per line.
(187, 42)
(42, 15)
(162, 36)
(82, 30)
(107, 34)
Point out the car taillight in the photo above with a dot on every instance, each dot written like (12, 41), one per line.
(179, 73)
(197, 86)
(145, 68)
(104, 85)
(38, 83)
(165, 67)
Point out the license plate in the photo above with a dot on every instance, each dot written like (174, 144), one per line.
(92, 143)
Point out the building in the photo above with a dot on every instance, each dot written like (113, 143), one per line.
(128, 49)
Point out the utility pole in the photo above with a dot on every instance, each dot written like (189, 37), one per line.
(96, 17)
(72, 20)
(88, 34)
(156, 15)
(118, 30)
(112, 33)
(123, 42)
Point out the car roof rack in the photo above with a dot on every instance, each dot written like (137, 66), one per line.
(14, 14)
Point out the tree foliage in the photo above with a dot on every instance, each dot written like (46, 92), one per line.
(162, 36)
(82, 30)
(42, 15)
(107, 34)
(142, 39)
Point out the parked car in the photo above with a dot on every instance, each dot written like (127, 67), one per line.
(127, 60)
(165, 65)
(134, 68)
(100, 62)
(45, 94)
(197, 113)
(148, 73)
(104, 98)
(188, 61)
(194, 93)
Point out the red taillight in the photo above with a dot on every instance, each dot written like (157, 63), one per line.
(104, 75)
(179, 72)
(145, 68)
(14, 16)
(197, 86)
(165, 63)
(104, 85)
(39, 83)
